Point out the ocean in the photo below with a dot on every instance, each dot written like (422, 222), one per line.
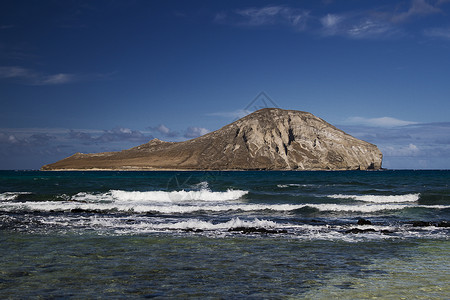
(225, 235)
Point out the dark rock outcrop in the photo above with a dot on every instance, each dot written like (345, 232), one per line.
(247, 230)
(268, 139)
(421, 224)
(443, 224)
(364, 222)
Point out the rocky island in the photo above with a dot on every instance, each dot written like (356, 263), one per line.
(268, 139)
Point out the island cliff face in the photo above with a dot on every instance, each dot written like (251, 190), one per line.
(268, 139)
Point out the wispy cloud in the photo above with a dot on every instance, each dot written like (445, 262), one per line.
(375, 23)
(371, 28)
(417, 8)
(268, 15)
(56, 79)
(378, 122)
(240, 113)
(440, 33)
(15, 72)
(3, 27)
(32, 77)
(358, 25)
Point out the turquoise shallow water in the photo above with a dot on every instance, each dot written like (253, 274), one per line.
(86, 266)
(225, 235)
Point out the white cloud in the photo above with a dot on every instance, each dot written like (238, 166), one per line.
(164, 130)
(378, 122)
(408, 150)
(6, 138)
(406, 146)
(193, 132)
(331, 21)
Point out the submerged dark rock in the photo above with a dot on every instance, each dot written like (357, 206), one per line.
(364, 222)
(268, 139)
(81, 210)
(421, 224)
(443, 224)
(193, 230)
(256, 230)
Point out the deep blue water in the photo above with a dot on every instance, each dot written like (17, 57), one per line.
(351, 234)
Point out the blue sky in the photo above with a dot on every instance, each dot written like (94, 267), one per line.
(90, 76)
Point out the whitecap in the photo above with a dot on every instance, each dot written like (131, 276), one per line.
(9, 196)
(119, 196)
(181, 208)
(379, 198)
(294, 185)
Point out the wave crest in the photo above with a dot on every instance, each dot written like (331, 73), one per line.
(120, 196)
(379, 198)
(9, 196)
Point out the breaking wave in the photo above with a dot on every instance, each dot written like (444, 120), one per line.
(294, 185)
(206, 225)
(379, 198)
(119, 196)
(146, 224)
(9, 196)
(182, 208)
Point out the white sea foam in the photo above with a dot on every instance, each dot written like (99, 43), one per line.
(205, 225)
(180, 202)
(8, 196)
(294, 185)
(149, 224)
(118, 196)
(379, 198)
(177, 208)
(145, 224)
